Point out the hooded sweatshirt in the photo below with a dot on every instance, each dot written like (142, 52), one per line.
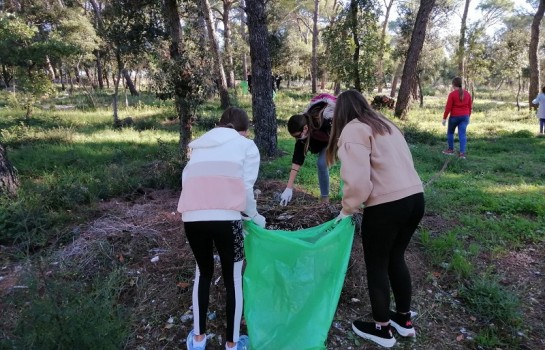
(218, 180)
(375, 169)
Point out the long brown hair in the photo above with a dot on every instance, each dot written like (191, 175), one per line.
(352, 105)
(457, 82)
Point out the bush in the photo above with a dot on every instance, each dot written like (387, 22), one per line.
(488, 299)
(72, 315)
(24, 224)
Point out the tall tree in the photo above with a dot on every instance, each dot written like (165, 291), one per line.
(263, 108)
(380, 61)
(532, 53)
(218, 60)
(352, 43)
(8, 175)
(98, 53)
(408, 78)
(187, 70)
(227, 47)
(314, 65)
(462, 41)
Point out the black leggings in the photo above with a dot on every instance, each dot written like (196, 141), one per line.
(386, 232)
(227, 237)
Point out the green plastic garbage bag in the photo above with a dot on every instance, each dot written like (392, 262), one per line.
(244, 87)
(292, 283)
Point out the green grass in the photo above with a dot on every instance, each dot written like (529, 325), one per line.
(493, 201)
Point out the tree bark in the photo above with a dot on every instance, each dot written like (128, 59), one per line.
(6, 76)
(115, 104)
(263, 107)
(100, 73)
(533, 89)
(245, 38)
(380, 65)
(183, 107)
(129, 82)
(413, 54)
(314, 63)
(9, 181)
(227, 4)
(395, 80)
(356, 54)
(220, 71)
(462, 42)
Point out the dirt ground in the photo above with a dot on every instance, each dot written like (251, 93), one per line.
(144, 235)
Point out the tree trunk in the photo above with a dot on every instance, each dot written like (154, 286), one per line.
(462, 42)
(413, 54)
(76, 74)
(6, 76)
(115, 105)
(518, 91)
(100, 73)
(183, 107)
(356, 54)
(314, 63)
(227, 4)
(220, 71)
(395, 80)
(8, 175)
(263, 107)
(419, 87)
(533, 89)
(380, 65)
(50, 69)
(129, 82)
(245, 38)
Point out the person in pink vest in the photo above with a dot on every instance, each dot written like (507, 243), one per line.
(217, 189)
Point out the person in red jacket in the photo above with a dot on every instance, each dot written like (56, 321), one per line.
(459, 104)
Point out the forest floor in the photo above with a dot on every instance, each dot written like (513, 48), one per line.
(146, 236)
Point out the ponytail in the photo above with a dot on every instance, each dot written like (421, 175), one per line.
(457, 82)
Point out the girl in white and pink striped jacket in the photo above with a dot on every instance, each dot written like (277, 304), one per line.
(217, 187)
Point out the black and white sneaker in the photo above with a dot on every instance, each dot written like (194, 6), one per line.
(381, 335)
(402, 324)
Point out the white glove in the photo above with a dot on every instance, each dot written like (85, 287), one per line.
(444, 122)
(341, 216)
(285, 198)
(259, 220)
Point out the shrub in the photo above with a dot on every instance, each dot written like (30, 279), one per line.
(72, 315)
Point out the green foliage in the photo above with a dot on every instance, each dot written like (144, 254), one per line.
(488, 203)
(25, 223)
(354, 32)
(72, 315)
(487, 298)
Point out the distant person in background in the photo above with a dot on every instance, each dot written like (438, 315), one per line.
(250, 83)
(540, 100)
(217, 186)
(311, 132)
(458, 106)
(278, 80)
(378, 171)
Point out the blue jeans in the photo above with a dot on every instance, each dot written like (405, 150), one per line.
(541, 126)
(323, 174)
(461, 123)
